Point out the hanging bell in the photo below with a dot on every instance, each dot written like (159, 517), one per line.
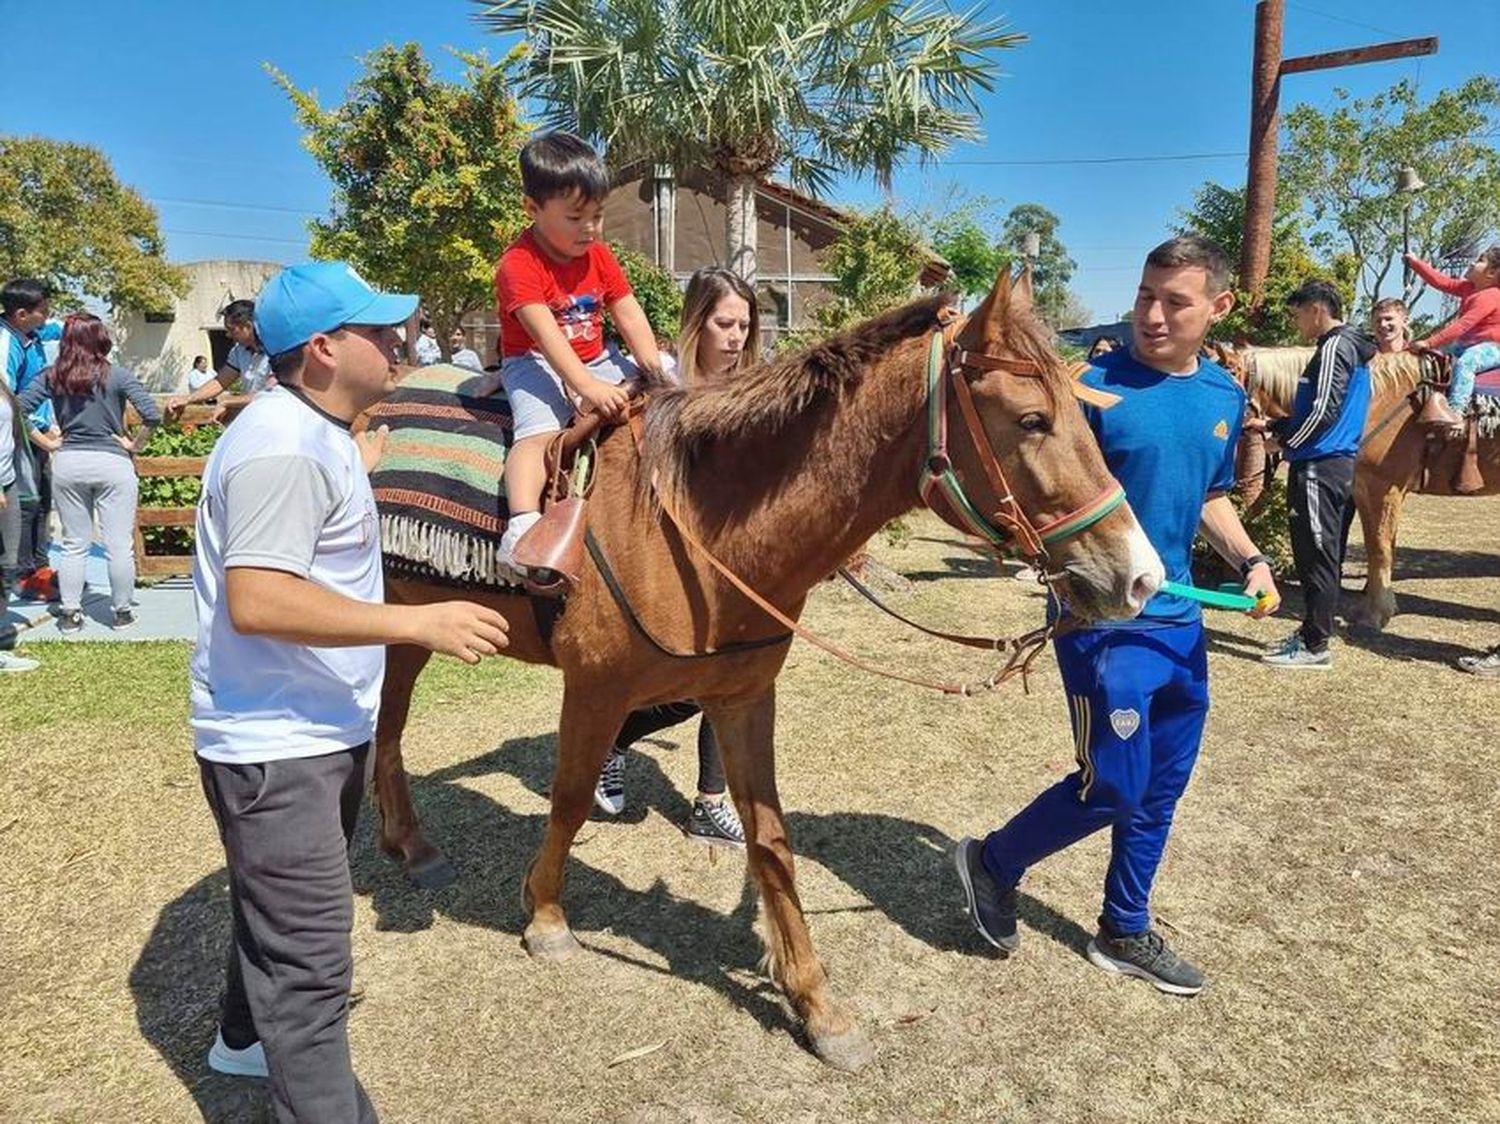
(1407, 180)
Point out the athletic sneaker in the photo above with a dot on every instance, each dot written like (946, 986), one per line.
(124, 618)
(992, 907)
(70, 621)
(609, 793)
(1486, 666)
(9, 661)
(716, 823)
(1146, 957)
(248, 1062)
(1294, 654)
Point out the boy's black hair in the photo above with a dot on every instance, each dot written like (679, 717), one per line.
(1317, 292)
(239, 312)
(23, 294)
(559, 163)
(1187, 250)
(287, 367)
(198, 357)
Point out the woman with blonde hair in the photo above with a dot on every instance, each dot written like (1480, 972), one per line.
(720, 334)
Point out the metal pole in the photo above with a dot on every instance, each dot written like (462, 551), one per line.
(1260, 191)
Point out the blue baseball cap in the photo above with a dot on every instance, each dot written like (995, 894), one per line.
(321, 296)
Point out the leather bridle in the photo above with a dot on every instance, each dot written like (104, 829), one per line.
(1007, 527)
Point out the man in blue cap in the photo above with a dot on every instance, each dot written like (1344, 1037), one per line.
(285, 679)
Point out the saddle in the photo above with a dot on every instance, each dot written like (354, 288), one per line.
(552, 551)
(1441, 426)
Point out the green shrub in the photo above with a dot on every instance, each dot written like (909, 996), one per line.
(1269, 529)
(172, 440)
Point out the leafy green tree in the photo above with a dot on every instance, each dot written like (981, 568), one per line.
(1051, 269)
(1341, 166)
(426, 185)
(970, 249)
(745, 87)
(66, 219)
(877, 260)
(657, 291)
(1218, 213)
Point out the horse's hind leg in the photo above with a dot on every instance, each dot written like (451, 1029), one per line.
(746, 732)
(400, 834)
(585, 732)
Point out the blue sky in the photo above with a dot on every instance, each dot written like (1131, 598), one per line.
(173, 91)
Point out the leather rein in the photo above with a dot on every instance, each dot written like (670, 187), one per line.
(1007, 528)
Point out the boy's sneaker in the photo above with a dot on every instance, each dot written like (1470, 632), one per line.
(1146, 957)
(124, 618)
(1294, 654)
(716, 823)
(609, 793)
(9, 661)
(70, 621)
(515, 529)
(992, 907)
(1486, 666)
(248, 1062)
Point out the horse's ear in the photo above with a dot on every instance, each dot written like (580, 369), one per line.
(1022, 297)
(987, 322)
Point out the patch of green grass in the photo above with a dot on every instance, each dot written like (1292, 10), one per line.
(145, 686)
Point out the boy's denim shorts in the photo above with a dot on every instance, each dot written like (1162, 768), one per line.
(539, 403)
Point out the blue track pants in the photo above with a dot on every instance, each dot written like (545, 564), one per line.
(1138, 699)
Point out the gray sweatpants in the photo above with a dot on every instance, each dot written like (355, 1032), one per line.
(86, 482)
(10, 539)
(286, 827)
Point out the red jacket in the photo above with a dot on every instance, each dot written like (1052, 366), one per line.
(1478, 319)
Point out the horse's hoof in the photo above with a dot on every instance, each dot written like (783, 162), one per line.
(434, 872)
(551, 945)
(849, 1051)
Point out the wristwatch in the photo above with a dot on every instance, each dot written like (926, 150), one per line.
(1250, 563)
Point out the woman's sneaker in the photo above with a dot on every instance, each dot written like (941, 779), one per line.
(716, 823)
(609, 792)
(1486, 666)
(247, 1062)
(70, 621)
(124, 618)
(1146, 957)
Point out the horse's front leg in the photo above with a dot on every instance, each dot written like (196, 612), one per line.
(1379, 505)
(746, 732)
(585, 732)
(400, 833)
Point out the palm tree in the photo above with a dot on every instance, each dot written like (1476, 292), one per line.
(744, 87)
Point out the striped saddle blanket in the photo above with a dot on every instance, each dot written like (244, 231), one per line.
(437, 486)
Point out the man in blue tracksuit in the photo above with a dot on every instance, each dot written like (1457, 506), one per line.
(1138, 690)
(1320, 439)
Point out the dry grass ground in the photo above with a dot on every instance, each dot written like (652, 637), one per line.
(1333, 870)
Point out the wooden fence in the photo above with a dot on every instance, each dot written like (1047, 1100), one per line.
(169, 565)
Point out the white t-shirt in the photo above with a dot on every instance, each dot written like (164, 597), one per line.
(427, 350)
(467, 358)
(197, 378)
(284, 489)
(254, 368)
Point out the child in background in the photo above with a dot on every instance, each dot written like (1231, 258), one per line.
(1475, 331)
(553, 287)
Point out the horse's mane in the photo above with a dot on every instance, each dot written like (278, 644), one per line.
(1274, 371)
(758, 405)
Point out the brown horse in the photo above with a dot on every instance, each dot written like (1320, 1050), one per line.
(783, 472)
(1390, 463)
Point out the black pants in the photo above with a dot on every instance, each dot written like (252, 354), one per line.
(649, 720)
(1319, 494)
(36, 536)
(286, 827)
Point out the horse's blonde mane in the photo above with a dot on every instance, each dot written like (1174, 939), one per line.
(1273, 372)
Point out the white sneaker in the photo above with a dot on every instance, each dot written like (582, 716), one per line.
(9, 661)
(609, 792)
(249, 1062)
(515, 527)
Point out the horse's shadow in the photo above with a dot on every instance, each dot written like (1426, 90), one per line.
(900, 866)
(1429, 562)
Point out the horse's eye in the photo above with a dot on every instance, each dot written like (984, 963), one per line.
(1036, 423)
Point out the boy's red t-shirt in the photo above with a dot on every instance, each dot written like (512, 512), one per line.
(577, 291)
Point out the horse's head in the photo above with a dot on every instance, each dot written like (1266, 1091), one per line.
(1024, 401)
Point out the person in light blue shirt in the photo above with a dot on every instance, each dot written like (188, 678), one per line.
(1138, 689)
(28, 344)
